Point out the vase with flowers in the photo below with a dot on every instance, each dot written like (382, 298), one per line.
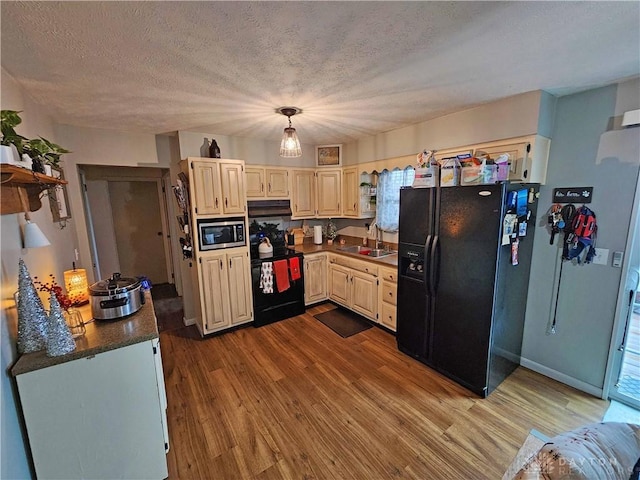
(72, 315)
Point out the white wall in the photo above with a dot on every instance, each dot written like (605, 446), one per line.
(588, 149)
(41, 262)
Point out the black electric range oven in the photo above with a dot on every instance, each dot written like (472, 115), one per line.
(275, 306)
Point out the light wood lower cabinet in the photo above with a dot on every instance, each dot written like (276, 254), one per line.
(354, 284)
(225, 295)
(387, 298)
(315, 278)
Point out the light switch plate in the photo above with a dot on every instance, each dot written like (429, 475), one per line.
(602, 256)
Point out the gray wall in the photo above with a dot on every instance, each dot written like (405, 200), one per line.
(588, 148)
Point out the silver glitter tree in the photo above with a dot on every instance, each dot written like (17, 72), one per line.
(32, 318)
(59, 338)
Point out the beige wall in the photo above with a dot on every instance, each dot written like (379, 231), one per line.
(41, 262)
(253, 151)
(507, 118)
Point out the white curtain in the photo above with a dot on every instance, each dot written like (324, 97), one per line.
(388, 198)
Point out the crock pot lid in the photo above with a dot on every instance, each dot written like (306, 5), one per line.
(123, 284)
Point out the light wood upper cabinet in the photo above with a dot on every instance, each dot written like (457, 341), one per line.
(315, 278)
(263, 182)
(277, 180)
(233, 192)
(207, 190)
(357, 201)
(329, 192)
(217, 187)
(303, 194)
(254, 177)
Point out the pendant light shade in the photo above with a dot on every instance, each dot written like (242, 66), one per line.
(290, 145)
(33, 236)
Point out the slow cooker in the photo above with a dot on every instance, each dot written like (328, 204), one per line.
(116, 297)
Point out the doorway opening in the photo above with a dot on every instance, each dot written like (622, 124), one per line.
(128, 224)
(623, 383)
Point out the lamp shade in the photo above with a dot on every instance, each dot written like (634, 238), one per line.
(33, 236)
(290, 145)
(77, 285)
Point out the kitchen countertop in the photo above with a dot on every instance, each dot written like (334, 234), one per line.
(101, 336)
(309, 248)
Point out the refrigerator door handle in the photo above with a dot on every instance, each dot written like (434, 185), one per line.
(426, 265)
(434, 266)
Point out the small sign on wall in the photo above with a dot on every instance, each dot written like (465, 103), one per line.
(573, 194)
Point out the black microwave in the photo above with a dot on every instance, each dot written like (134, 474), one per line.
(221, 233)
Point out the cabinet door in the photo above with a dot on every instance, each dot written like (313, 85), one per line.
(206, 189)
(350, 192)
(232, 188)
(277, 182)
(240, 300)
(215, 292)
(364, 294)
(254, 177)
(329, 192)
(339, 284)
(315, 278)
(304, 194)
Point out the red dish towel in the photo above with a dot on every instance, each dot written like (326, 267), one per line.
(281, 271)
(294, 268)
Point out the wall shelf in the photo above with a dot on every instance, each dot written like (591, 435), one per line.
(13, 179)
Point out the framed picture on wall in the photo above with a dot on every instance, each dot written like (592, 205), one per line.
(329, 155)
(58, 198)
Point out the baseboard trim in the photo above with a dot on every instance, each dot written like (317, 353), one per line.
(561, 377)
(188, 321)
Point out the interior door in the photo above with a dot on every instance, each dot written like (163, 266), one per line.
(138, 230)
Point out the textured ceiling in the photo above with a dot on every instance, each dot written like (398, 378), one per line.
(354, 68)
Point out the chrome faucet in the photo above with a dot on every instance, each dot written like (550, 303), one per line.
(378, 236)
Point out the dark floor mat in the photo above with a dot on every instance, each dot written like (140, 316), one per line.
(344, 322)
(163, 290)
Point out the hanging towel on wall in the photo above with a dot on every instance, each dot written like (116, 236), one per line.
(294, 268)
(266, 277)
(281, 271)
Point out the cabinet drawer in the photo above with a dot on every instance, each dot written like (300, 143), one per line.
(340, 260)
(389, 291)
(388, 316)
(389, 275)
(365, 267)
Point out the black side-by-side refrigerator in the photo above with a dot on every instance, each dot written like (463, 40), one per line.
(462, 286)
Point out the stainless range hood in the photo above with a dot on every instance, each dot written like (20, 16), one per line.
(269, 208)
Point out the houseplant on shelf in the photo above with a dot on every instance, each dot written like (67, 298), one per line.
(43, 152)
(12, 143)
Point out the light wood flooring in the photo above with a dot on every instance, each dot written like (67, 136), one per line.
(295, 400)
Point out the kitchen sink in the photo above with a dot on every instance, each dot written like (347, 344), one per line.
(370, 252)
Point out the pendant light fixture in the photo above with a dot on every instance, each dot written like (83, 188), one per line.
(290, 145)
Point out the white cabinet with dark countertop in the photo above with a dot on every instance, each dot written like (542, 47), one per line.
(99, 411)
